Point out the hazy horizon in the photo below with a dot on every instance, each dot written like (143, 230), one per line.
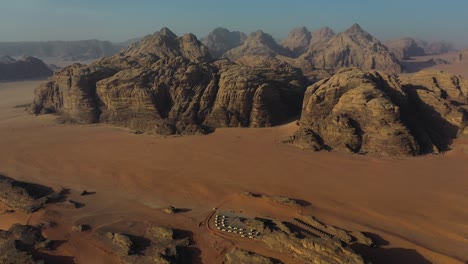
(117, 21)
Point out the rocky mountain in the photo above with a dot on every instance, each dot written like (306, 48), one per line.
(258, 43)
(297, 41)
(220, 40)
(352, 48)
(170, 85)
(370, 112)
(25, 68)
(69, 50)
(405, 48)
(436, 47)
(322, 35)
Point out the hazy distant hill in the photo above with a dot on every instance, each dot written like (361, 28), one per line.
(26, 68)
(69, 50)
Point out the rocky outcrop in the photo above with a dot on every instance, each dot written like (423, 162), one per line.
(258, 43)
(26, 68)
(242, 256)
(170, 85)
(297, 41)
(220, 40)
(25, 196)
(157, 245)
(20, 243)
(308, 242)
(370, 112)
(440, 101)
(356, 111)
(405, 48)
(352, 48)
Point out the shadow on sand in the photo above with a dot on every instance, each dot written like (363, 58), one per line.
(388, 255)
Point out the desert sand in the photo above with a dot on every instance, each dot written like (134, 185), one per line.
(418, 207)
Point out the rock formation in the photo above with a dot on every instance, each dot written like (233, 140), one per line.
(170, 85)
(237, 256)
(26, 68)
(258, 43)
(352, 48)
(25, 196)
(405, 48)
(440, 102)
(220, 40)
(159, 246)
(370, 112)
(297, 41)
(20, 243)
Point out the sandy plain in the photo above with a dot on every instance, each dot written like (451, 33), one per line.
(416, 207)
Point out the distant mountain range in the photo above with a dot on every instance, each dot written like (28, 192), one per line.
(67, 50)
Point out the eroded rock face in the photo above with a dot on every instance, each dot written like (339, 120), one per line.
(356, 111)
(26, 68)
(440, 101)
(169, 85)
(352, 48)
(297, 41)
(405, 48)
(220, 40)
(370, 112)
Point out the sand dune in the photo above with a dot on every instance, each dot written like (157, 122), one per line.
(417, 206)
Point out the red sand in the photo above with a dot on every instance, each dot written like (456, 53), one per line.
(413, 203)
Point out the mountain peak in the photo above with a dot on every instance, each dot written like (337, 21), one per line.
(355, 28)
(167, 32)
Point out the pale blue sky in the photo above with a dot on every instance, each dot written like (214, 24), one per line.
(118, 20)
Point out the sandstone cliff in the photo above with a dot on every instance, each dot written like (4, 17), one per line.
(370, 112)
(220, 40)
(170, 85)
(26, 68)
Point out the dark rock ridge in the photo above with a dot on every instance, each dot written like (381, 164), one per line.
(370, 112)
(171, 85)
(70, 50)
(26, 68)
(220, 40)
(405, 48)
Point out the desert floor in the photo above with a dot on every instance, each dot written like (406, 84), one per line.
(418, 207)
